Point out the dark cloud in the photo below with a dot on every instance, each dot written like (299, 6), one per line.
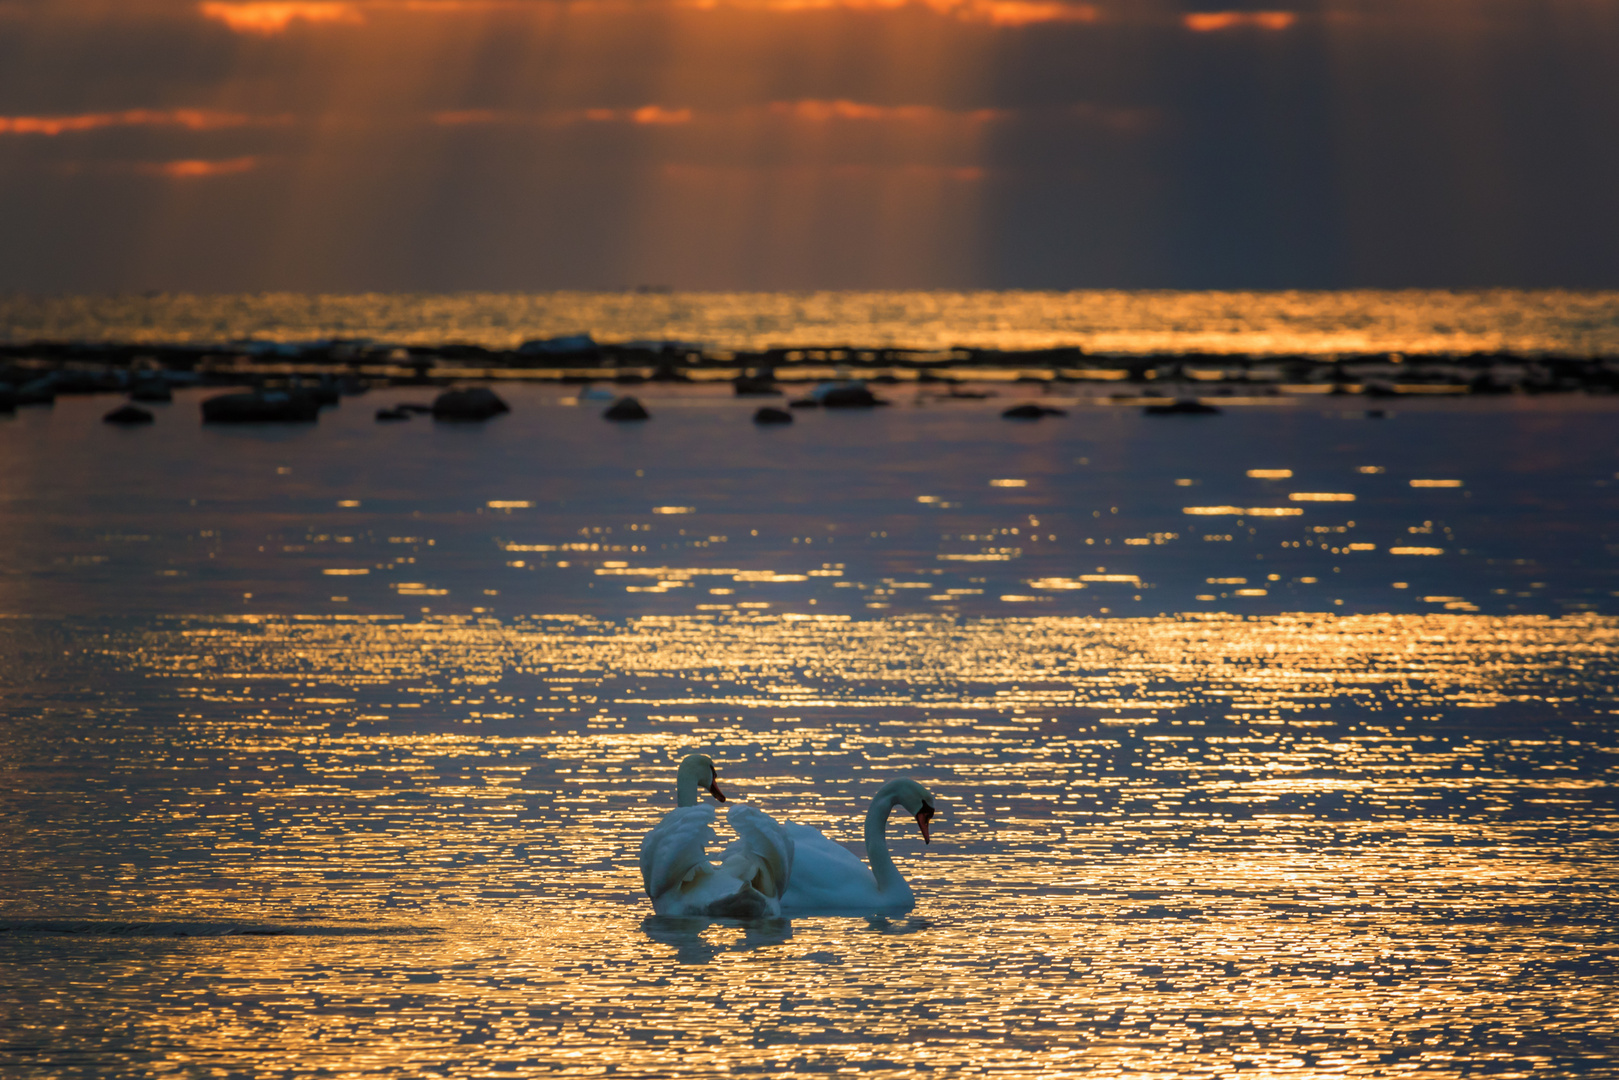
(503, 144)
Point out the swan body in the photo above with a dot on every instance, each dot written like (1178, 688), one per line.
(828, 877)
(753, 871)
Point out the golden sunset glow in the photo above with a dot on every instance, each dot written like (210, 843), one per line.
(189, 119)
(197, 169)
(275, 16)
(761, 144)
(1207, 22)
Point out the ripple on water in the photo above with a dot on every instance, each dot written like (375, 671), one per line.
(1299, 844)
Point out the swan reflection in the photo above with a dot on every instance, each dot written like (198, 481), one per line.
(883, 925)
(693, 944)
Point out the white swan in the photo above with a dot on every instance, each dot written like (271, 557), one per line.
(680, 879)
(827, 877)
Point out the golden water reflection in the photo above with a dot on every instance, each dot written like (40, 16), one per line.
(1296, 845)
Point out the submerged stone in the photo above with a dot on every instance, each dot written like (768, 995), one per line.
(261, 407)
(472, 403)
(1031, 411)
(128, 416)
(772, 415)
(626, 408)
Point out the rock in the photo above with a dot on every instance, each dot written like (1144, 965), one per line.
(849, 397)
(128, 415)
(626, 408)
(1376, 414)
(1031, 412)
(37, 392)
(261, 407)
(804, 403)
(151, 390)
(472, 403)
(8, 400)
(1183, 407)
(761, 386)
(771, 415)
(393, 414)
(413, 407)
(83, 381)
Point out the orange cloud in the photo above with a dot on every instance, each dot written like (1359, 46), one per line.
(812, 111)
(960, 174)
(657, 114)
(995, 12)
(274, 16)
(192, 119)
(646, 114)
(195, 168)
(1206, 22)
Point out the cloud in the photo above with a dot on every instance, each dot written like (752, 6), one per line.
(847, 171)
(645, 115)
(266, 17)
(820, 112)
(808, 111)
(190, 119)
(1208, 22)
(275, 16)
(198, 168)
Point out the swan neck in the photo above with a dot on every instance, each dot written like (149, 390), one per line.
(686, 786)
(881, 862)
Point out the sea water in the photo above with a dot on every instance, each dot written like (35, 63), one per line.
(1281, 741)
(1263, 323)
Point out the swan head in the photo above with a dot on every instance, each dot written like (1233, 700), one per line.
(696, 774)
(916, 799)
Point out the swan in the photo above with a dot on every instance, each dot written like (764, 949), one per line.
(826, 876)
(753, 869)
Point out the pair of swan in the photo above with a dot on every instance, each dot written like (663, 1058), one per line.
(772, 869)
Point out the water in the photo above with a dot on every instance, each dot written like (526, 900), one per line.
(1307, 323)
(264, 818)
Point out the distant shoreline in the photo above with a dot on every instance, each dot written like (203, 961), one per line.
(109, 366)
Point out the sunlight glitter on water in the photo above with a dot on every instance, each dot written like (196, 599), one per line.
(1582, 323)
(1165, 846)
(1181, 830)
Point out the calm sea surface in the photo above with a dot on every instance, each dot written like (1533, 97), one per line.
(1311, 323)
(1282, 741)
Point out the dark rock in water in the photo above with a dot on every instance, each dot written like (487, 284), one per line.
(1031, 412)
(1378, 388)
(755, 387)
(804, 403)
(8, 400)
(38, 392)
(324, 390)
(393, 414)
(771, 415)
(151, 390)
(1376, 414)
(413, 407)
(80, 381)
(850, 397)
(1183, 407)
(626, 408)
(261, 407)
(128, 415)
(473, 403)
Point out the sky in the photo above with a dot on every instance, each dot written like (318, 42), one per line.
(525, 145)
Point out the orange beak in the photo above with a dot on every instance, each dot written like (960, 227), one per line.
(714, 790)
(923, 816)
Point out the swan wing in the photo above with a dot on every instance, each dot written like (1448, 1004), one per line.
(677, 849)
(826, 875)
(763, 854)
